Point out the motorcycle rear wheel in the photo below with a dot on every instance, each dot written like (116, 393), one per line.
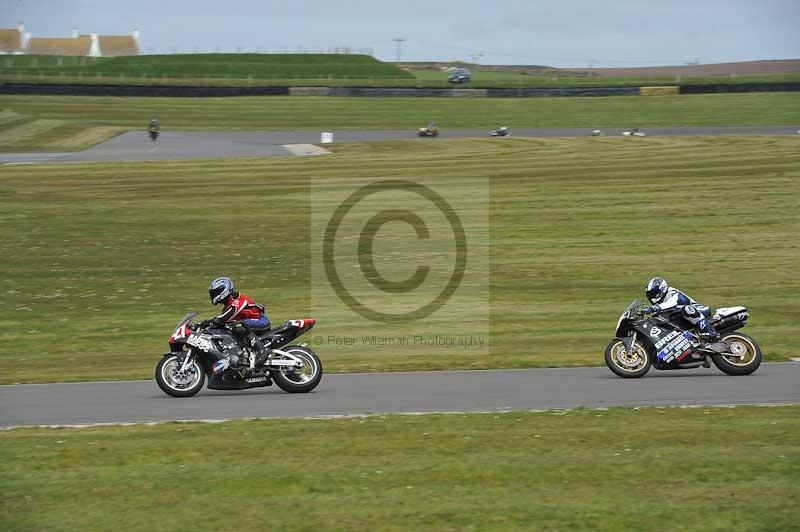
(739, 344)
(303, 380)
(627, 366)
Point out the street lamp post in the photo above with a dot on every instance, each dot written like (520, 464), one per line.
(399, 42)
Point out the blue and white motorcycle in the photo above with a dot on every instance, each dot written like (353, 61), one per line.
(667, 341)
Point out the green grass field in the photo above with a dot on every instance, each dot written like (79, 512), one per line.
(107, 257)
(651, 469)
(58, 123)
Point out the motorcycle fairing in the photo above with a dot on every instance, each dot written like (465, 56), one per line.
(259, 380)
(675, 347)
(724, 312)
(670, 344)
(204, 342)
(283, 334)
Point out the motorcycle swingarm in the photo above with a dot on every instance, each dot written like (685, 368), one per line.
(719, 348)
(290, 360)
(284, 363)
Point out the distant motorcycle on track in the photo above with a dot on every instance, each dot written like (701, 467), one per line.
(154, 128)
(666, 342)
(218, 353)
(431, 130)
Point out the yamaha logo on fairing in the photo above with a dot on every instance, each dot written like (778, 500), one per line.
(655, 331)
(253, 380)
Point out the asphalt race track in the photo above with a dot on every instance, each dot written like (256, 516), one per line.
(182, 145)
(416, 392)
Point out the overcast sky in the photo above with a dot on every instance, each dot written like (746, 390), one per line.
(556, 32)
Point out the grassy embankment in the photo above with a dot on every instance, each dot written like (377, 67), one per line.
(651, 469)
(205, 69)
(57, 123)
(106, 257)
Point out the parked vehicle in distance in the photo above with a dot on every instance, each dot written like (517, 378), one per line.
(460, 75)
(500, 132)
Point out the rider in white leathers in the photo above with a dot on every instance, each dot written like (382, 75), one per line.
(665, 297)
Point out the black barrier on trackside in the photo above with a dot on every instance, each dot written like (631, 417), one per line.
(139, 90)
(491, 93)
(572, 91)
(523, 92)
(389, 92)
(709, 88)
(191, 91)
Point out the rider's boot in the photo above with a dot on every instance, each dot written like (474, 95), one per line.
(707, 331)
(255, 342)
(262, 356)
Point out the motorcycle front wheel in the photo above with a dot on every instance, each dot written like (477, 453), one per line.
(299, 380)
(627, 365)
(176, 383)
(742, 357)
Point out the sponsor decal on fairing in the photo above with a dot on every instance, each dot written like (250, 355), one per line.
(678, 347)
(201, 342)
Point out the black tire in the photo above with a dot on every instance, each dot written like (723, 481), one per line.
(290, 381)
(198, 379)
(730, 365)
(619, 369)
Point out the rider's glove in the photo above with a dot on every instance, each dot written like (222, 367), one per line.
(203, 324)
(650, 310)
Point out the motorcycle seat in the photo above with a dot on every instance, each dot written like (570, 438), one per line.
(269, 331)
(724, 312)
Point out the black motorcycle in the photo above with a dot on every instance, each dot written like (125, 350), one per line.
(667, 341)
(220, 353)
(153, 132)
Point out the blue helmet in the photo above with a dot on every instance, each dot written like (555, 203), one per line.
(220, 289)
(656, 290)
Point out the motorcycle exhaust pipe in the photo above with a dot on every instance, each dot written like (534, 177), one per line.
(689, 365)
